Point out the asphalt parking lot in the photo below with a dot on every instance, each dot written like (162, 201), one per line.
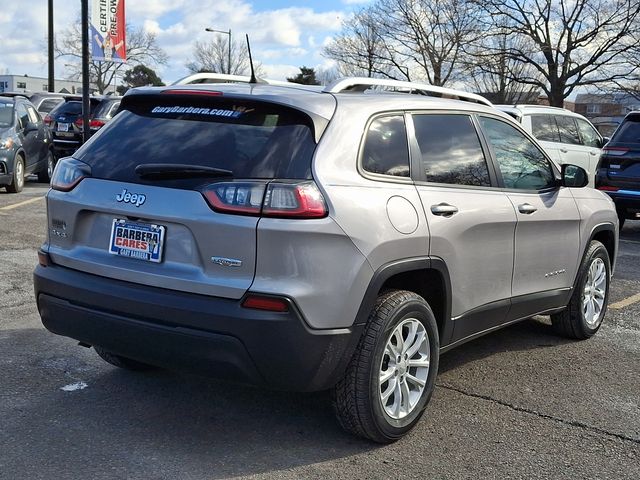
(521, 403)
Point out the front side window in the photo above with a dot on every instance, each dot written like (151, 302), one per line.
(386, 151)
(544, 128)
(451, 150)
(568, 130)
(522, 164)
(590, 137)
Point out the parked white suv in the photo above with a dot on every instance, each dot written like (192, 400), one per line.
(567, 137)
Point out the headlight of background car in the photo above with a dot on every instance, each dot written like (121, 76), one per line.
(6, 143)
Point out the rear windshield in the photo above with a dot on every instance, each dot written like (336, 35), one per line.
(68, 108)
(629, 131)
(252, 140)
(6, 114)
(103, 108)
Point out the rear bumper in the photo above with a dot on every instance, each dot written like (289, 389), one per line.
(193, 333)
(626, 199)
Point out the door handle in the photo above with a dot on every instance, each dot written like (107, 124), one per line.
(527, 208)
(564, 150)
(593, 153)
(444, 209)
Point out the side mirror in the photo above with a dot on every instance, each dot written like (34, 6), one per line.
(30, 127)
(574, 176)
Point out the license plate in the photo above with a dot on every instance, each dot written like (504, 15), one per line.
(63, 127)
(143, 241)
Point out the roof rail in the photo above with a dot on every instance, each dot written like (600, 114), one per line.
(360, 84)
(208, 77)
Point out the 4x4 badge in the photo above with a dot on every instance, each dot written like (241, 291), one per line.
(136, 199)
(226, 262)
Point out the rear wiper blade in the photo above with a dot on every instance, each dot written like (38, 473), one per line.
(168, 171)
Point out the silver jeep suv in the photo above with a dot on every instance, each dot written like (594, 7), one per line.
(309, 239)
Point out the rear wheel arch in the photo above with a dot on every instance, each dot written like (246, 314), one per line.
(425, 276)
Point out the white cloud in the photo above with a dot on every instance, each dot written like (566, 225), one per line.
(289, 36)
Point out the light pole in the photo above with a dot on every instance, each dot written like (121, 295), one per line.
(226, 33)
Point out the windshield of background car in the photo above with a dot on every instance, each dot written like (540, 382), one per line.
(254, 140)
(6, 114)
(629, 131)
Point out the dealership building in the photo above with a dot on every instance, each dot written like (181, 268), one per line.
(26, 83)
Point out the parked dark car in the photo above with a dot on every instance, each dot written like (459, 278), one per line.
(65, 122)
(44, 102)
(619, 170)
(104, 112)
(25, 144)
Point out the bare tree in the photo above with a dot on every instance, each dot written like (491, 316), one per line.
(358, 49)
(425, 38)
(569, 44)
(213, 56)
(493, 71)
(142, 49)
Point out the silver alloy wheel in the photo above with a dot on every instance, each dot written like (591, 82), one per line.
(404, 368)
(595, 289)
(19, 174)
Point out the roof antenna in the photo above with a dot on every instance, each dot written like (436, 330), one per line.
(253, 73)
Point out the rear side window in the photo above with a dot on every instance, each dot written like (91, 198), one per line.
(47, 105)
(386, 151)
(568, 130)
(544, 128)
(628, 131)
(253, 140)
(451, 150)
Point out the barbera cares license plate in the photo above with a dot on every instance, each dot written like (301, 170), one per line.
(143, 241)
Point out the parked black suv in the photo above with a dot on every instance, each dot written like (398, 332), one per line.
(65, 122)
(619, 170)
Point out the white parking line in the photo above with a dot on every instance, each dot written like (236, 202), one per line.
(630, 241)
(626, 302)
(19, 204)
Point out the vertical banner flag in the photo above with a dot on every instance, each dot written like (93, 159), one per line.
(107, 31)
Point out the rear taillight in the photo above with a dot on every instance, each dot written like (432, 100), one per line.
(79, 122)
(68, 173)
(96, 124)
(48, 120)
(299, 200)
(606, 188)
(280, 200)
(243, 198)
(614, 151)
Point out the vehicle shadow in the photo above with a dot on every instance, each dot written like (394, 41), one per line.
(169, 425)
(531, 334)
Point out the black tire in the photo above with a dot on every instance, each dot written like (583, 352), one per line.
(44, 175)
(356, 398)
(622, 216)
(17, 182)
(122, 362)
(572, 322)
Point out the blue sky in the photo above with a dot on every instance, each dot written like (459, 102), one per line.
(285, 34)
